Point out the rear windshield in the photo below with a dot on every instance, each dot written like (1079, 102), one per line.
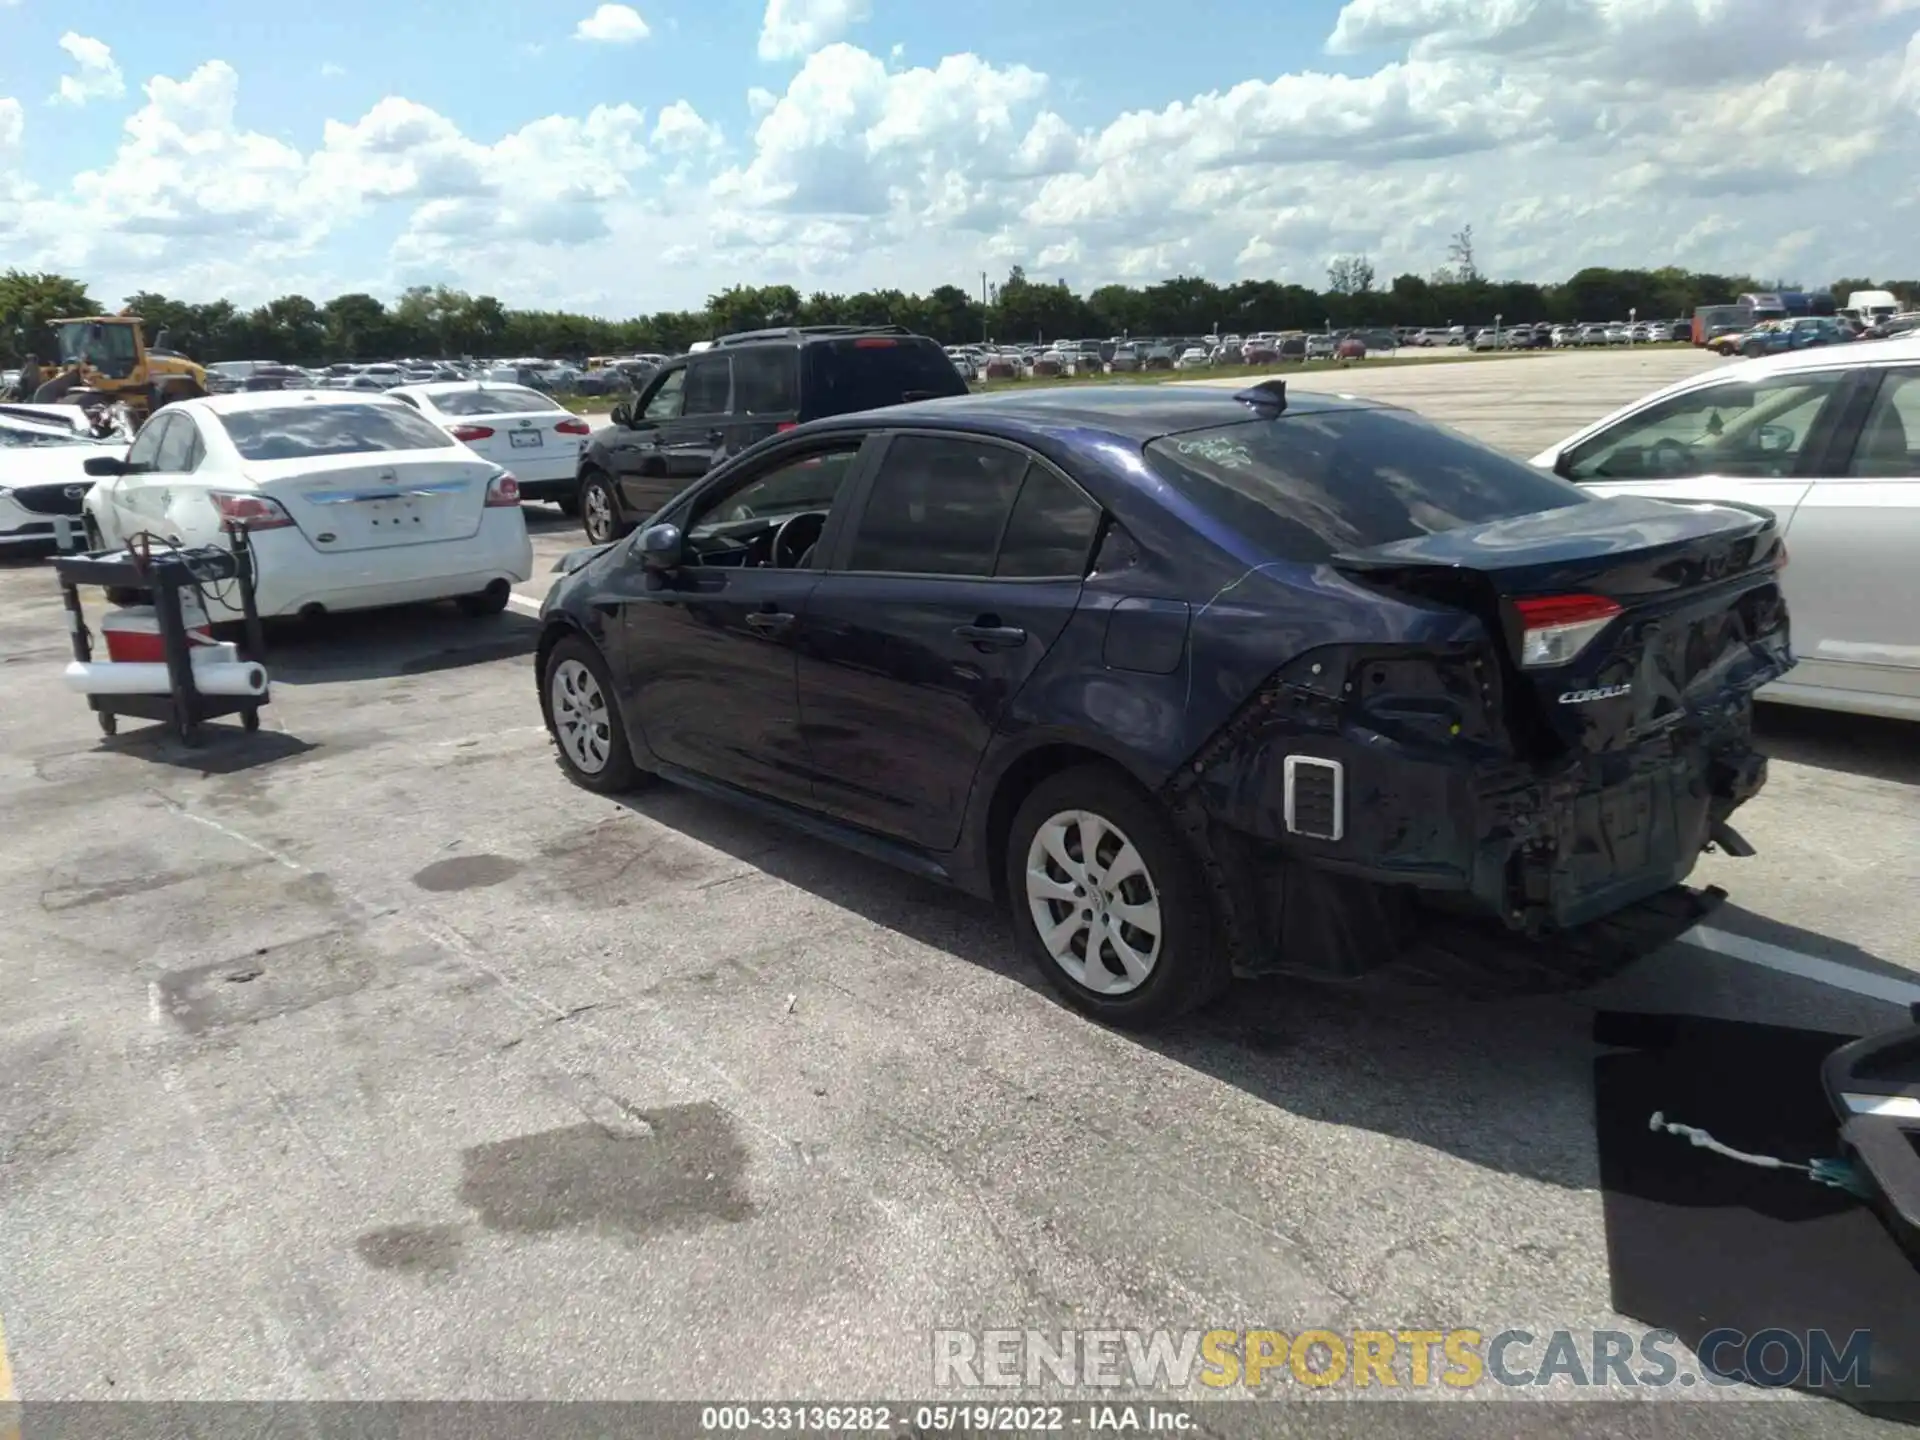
(850, 375)
(499, 400)
(300, 432)
(1308, 486)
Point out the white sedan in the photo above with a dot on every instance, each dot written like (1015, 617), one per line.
(43, 478)
(350, 502)
(511, 425)
(1829, 440)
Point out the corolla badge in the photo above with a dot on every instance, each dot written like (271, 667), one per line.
(1603, 692)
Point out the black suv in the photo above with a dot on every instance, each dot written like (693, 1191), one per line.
(700, 409)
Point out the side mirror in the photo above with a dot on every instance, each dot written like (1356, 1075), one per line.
(1563, 464)
(623, 414)
(660, 548)
(102, 466)
(1775, 439)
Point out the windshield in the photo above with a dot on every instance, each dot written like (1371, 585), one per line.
(1309, 486)
(104, 347)
(22, 435)
(300, 432)
(499, 400)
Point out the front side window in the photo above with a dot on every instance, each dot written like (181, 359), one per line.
(937, 507)
(1885, 448)
(1738, 429)
(146, 445)
(176, 447)
(301, 432)
(667, 402)
(709, 385)
(809, 482)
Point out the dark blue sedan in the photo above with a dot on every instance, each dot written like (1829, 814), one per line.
(1197, 683)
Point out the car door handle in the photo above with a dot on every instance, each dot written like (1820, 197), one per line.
(769, 622)
(993, 637)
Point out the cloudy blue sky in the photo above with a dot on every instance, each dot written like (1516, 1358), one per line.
(625, 158)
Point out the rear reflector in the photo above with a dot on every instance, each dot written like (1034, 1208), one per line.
(1555, 628)
(573, 427)
(1314, 803)
(464, 433)
(786, 425)
(503, 490)
(250, 512)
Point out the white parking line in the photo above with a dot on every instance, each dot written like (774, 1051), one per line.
(1889, 988)
(525, 604)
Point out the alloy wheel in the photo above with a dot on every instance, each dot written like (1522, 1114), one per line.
(596, 510)
(580, 719)
(1094, 903)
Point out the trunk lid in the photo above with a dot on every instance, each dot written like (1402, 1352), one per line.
(360, 502)
(1664, 610)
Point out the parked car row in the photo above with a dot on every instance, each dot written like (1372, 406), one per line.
(605, 375)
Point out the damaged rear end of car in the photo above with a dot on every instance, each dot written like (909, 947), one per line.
(1540, 722)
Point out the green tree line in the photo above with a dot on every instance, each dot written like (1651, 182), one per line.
(439, 322)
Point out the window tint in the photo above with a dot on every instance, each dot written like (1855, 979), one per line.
(937, 507)
(1051, 530)
(27, 435)
(1307, 486)
(495, 400)
(1736, 429)
(807, 483)
(709, 385)
(665, 403)
(867, 373)
(764, 379)
(298, 432)
(1887, 442)
(146, 445)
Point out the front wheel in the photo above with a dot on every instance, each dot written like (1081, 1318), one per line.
(1109, 901)
(600, 509)
(582, 715)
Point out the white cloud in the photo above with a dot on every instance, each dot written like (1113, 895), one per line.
(612, 25)
(1556, 128)
(96, 75)
(792, 28)
(331, 71)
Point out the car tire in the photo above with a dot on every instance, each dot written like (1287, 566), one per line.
(582, 715)
(600, 509)
(1049, 882)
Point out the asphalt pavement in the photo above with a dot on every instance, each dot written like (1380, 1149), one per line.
(366, 1058)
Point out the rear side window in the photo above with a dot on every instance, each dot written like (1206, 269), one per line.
(1309, 486)
(709, 385)
(766, 380)
(870, 371)
(937, 507)
(494, 400)
(1050, 532)
(299, 432)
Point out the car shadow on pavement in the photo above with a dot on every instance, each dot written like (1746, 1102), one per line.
(224, 748)
(546, 519)
(1863, 745)
(403, 640)
(1503, 1081)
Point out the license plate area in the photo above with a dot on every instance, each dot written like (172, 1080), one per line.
(526, 439)
(387, 516)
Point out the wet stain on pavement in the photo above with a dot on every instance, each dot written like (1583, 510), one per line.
(429, 1250)
(279, 980)
(466, 872)
(620, 862)
(682, 1172)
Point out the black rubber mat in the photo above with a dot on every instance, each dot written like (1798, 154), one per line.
(1698, 1243)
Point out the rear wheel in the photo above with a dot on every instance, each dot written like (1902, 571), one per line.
(600, 509)
(582, 715)
(1109, 901)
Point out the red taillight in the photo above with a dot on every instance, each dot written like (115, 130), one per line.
(573, 427)
(503, 490)
(1555, 628)
(251, 512)
(874, 343)
(786, 425)
(464, 433)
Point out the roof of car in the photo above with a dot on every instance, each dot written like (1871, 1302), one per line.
(276, 399)
(1137, 412)
(450, 387)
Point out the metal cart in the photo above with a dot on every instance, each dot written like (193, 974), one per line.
(165, 575)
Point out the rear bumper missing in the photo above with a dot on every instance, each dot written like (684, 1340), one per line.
(1507, 847)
